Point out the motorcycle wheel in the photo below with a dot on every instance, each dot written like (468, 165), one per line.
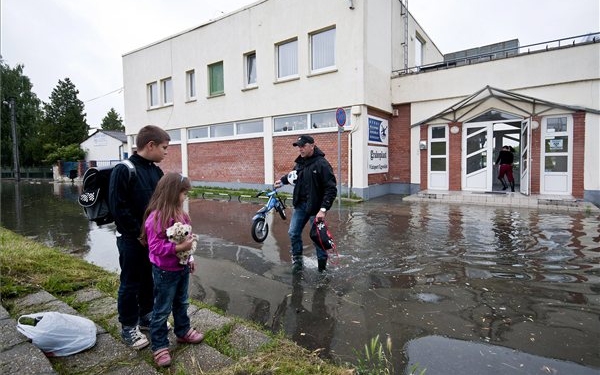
(260, 229)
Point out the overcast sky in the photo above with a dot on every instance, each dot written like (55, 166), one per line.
(85, 39)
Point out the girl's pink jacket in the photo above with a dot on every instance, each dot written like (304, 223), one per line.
(162, 251)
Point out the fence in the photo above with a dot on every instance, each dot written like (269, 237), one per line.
(44, 172)
(71, 170)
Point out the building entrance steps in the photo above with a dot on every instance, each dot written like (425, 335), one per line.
(504, 199)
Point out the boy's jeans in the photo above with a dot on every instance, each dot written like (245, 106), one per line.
(170, 289)
(299, 219)
(136, 296)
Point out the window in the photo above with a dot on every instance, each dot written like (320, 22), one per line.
(215, 79)
(175, 135)
(419, 43)
(322, 50)
(250, 73)
(255, 126)
(556, 145)
(288, 123)
(190, 79)
(152, 94)
(197, 133)
(167, 90)
(287, 59)
(221, 130)
(306, 121)
(327, 119)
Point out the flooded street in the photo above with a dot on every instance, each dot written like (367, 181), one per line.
(457, 288)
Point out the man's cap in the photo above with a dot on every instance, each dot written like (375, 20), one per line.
(303, 139)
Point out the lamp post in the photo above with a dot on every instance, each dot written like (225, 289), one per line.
(13, 125)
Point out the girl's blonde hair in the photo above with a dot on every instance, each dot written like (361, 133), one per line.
(165, 201)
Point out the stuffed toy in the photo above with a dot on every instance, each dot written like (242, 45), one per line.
(177, 233)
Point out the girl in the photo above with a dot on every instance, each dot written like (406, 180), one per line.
(171, 279)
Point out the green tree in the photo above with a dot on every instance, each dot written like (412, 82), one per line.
(72, 152)
(28, 116)
(112, 121)
(64, 121)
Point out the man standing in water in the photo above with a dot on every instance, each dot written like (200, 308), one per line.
(505, 160)
(314, 192)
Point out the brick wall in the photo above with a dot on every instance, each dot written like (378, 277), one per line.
(227, 161)
(400, 148)
(536, 153)
(284, 153)
(455, 157)
(578, 154)
(172, 162)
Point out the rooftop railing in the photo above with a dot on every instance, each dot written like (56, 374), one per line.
(503, 53)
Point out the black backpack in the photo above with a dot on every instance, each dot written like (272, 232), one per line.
(94, 198)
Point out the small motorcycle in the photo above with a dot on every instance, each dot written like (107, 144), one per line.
(260, 228)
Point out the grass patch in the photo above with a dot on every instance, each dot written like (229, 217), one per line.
(200, 191)
(27, 266)
(283, 358)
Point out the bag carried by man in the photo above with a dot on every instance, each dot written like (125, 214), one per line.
(94, 198)
(58, 334)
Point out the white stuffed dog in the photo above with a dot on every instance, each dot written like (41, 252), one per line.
(177, 233)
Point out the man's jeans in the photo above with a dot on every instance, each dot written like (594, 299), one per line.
(299, 219)
(136, 295)
(170, 290)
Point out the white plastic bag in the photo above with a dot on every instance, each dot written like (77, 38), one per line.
(58, 334)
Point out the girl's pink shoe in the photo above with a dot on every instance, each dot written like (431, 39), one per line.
(191, 337)
(162, 358)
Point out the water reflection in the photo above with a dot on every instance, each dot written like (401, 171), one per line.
(521, 282)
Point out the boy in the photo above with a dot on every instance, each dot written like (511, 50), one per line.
(128, 200)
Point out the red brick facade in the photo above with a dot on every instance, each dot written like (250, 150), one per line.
(227, 161)
(455, 157)
(535, 154)
(172, 162)
(399, 146)
(578, 154)
(284, 153)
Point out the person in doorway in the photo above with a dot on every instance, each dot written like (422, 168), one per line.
(171, 278)
(505, 162)
(128, 198)
(314, 192)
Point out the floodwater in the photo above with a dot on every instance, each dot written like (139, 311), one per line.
(457, 288)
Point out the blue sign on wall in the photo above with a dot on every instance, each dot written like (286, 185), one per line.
(378, 131)
(374, 126)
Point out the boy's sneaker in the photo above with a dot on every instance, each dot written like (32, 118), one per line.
(134, 338)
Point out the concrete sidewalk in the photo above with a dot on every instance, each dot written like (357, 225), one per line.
(109, 355)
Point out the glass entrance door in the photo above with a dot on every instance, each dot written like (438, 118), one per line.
(477, 161)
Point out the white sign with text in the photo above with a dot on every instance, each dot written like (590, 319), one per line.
(378, 159)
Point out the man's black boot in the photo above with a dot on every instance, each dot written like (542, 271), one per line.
(512, 186)
(504, 187)
(297, 264)
(322, 265)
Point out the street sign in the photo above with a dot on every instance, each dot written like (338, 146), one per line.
(340, 116)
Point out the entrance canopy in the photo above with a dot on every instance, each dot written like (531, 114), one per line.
(524, 105)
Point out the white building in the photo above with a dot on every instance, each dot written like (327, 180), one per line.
(105, 146)
(235, 92)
